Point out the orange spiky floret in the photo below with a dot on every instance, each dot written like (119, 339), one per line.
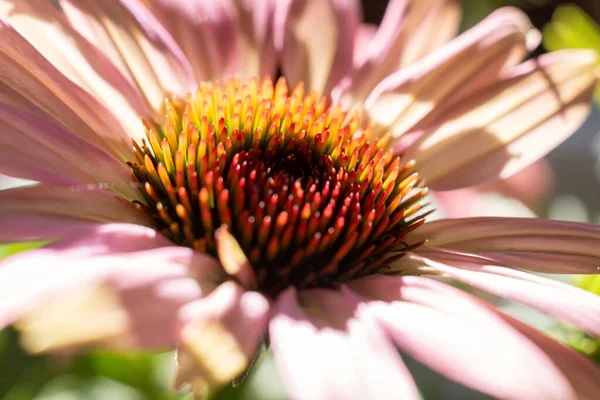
(311, 198)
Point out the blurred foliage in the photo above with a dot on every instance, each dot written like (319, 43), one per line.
(103, 374)
(476, 10)
(574, 337)
(572, 28)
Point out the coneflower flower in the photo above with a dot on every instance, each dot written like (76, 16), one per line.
(245, 211)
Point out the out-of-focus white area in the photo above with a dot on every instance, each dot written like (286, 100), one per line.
(486, 205)
(7, 182)
(577, 166)
(568, 207)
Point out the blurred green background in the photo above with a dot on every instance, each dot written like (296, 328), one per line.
(141, 376)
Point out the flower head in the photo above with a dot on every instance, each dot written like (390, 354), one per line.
(258, 211)
(310, 203)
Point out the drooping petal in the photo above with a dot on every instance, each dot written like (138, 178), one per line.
(349, 358)
(410, 29)
(472, 60)
(63, 204)
(112, 285)
(315, 39)
(583, 374)
(509, 124)
(233, 259)
(221, 39)
(43, 151)
(438, 325)
(527, 243)
(31, 83)
(221, 335)
(574, 305)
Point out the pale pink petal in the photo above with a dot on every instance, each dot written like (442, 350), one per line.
(220, 336)
(410, 29)
(438, 325)
(31, 83)
(582, 372)
(576, 306)
(50, 270)
(221, 39)
(509, 124)
(122, 280)
(473, 60)
(110, 238)
(71, 204)
(19, 227)
(527, 243)
(41, 150)
(458, 203)
(324, 351)
(315, 39)
(58, 34)
(430, 24)
(128, 33)
(256, 40)
(205, 31)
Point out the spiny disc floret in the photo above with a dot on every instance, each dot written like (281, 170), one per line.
(310, 198)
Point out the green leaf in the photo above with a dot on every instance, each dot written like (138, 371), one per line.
(572, 28)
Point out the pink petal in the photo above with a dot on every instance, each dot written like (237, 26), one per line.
(533, 185)
(221, 39)
(41, 150)
(126, 30)
(315, 39)
(438, 325)
(60, 263)
(364, 35)
(472, 60)
(33, 84)
(141, 285)
(526, 243)
(410, 29)
(349, 358)
(221, 335)
(204, 30)
(71, 204)
(551, 94)
(106, 239)
(574, 305)
(19, 227)
(59, 34)
(256, 41)
(583, 374)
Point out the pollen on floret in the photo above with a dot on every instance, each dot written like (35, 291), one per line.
(312, 196)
